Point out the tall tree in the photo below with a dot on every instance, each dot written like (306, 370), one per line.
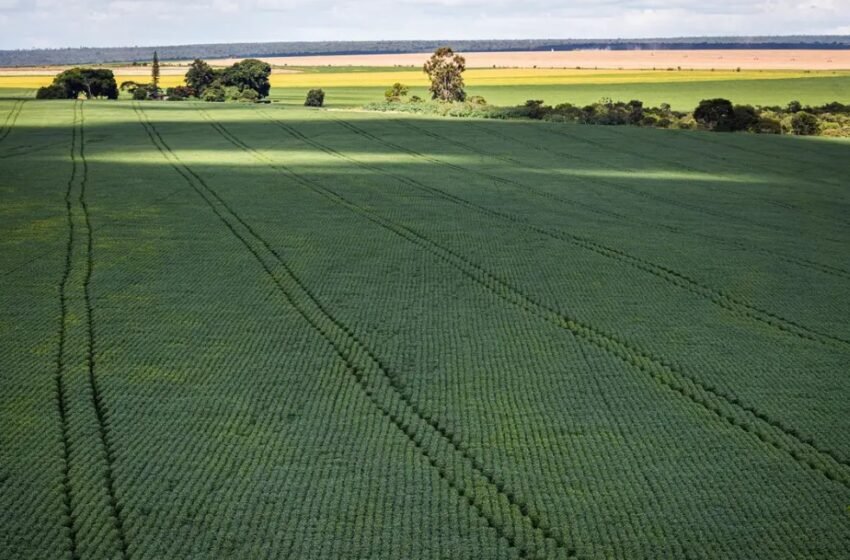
(155, 74)
(200, 76)
(445, 69)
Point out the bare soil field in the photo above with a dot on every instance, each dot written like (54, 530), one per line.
(692, 59)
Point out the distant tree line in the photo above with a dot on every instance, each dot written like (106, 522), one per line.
(86, 55)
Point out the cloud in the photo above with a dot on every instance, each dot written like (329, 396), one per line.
(152, 22)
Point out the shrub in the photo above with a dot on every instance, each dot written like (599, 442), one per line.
(535, 109)
(415, 99)
(476, 100)
(141, 93)
(715, 114)
(214, 94)
(766, 125)
(794, 107)
(804, 124)
(248, 96)
(743, 117)
(395, 92)
(315, 98)
(53, 91)
(179, 93)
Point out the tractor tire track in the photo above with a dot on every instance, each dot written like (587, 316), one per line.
(98, 402)
(350, 349)
(61, 398)
(11, 118)
(718, 297)
(672, 376)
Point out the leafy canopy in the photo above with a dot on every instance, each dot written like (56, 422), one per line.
(445, 70)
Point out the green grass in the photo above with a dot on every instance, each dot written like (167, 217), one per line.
(243, 331)
(680, 95)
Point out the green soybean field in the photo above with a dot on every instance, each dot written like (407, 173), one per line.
(265, 331)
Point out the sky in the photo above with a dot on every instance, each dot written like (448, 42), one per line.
(74, 23)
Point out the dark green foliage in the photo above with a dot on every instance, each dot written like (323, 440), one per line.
(91, 82)
(248, 96)
(315, 98)
(179, 93)
(804, 124)
(155, 75)
(766, 125)
(214, 94)
(744, 117)
(715, 114)
(200, 76)
(794, 107)
(248, 74)
(395, 92)
(53, 91)
(445, 70)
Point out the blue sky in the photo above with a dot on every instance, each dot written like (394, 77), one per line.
(72, 23)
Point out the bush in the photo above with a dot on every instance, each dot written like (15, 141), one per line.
(214, 94)
(415, 99)
(794, 107)
(249, 96)
(476, 100)
(804, 124)
(766, 125)
(315, 98)
(715, 114)
(395, 92)
(743, 117)
(179, 93)
(141, 93)
(53, 91)
(535, 109)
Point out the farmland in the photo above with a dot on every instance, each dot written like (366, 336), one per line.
(682, 89)
(271, 332)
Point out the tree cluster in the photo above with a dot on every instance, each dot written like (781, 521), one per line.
(247, 80)
(91, 82)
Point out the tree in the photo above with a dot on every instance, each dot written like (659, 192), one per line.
(155, 74)
(315, 98)
(445, 70)
(715, 114)
(200, 76)
(92, 82)
(794, 107)
(804, 124)
(249, 74)
(396, 92)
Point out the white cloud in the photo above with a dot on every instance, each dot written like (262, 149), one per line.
(147, 22)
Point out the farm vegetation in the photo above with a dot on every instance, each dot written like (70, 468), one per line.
(719, 115)
(445, 70)
(91, 82)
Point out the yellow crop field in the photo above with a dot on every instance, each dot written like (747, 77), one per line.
(533, 76)
(475, 77)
